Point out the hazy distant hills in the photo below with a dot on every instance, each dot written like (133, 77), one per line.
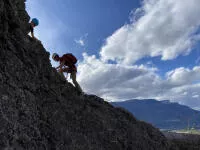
(162, 114)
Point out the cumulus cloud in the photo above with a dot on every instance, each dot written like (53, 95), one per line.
(107, 80)
(120, 82)
(159, 28)
(183, 76)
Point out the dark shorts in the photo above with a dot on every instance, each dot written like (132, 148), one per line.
(70, 69)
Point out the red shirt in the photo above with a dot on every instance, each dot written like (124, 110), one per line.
(67, 63)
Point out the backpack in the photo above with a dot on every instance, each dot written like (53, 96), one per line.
(70, 58)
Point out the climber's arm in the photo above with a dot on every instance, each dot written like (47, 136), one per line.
(61, 65)
(32, 35)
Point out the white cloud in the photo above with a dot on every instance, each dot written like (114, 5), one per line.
(197, 60)
(195, 96)
(165, 28)
(108, 79)
(183, 76)
(119, 82)
(158, 28)
(82, 40)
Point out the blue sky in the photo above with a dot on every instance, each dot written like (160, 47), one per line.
(127, 49)
(96, 19)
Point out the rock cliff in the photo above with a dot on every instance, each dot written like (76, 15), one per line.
(39, 110)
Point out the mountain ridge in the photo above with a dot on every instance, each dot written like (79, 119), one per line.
(162, 114)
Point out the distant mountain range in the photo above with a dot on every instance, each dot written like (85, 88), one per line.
(162, 114)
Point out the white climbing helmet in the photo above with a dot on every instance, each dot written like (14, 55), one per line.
(54, 55)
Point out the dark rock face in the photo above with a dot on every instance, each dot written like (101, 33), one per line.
(39, 110)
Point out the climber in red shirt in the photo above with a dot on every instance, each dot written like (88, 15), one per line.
(67, 64)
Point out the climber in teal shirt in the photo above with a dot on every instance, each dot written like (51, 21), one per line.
(30, 28)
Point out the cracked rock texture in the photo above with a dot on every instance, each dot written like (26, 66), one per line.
(39, 110)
